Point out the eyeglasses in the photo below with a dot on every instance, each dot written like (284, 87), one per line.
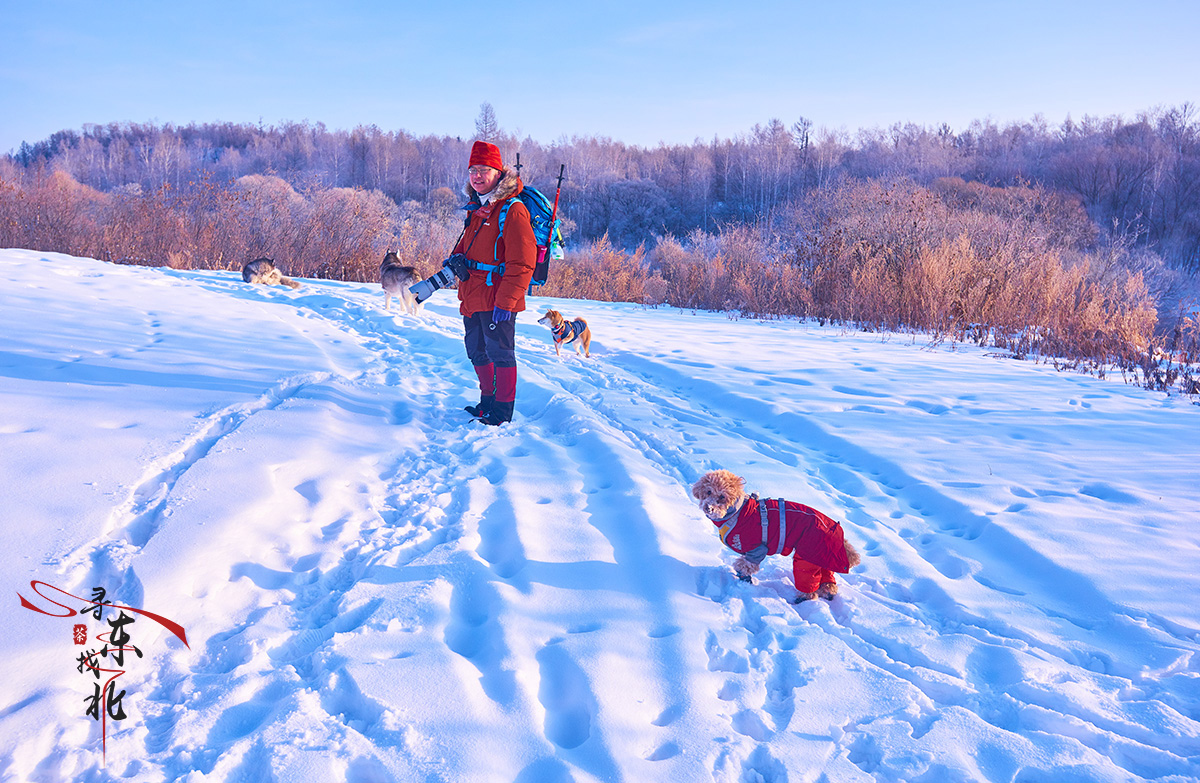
(480, 171)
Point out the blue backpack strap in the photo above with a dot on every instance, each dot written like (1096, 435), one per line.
(504, 213)
(498, 267)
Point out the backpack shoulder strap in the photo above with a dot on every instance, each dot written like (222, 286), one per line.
(504, 215)
(504, 211)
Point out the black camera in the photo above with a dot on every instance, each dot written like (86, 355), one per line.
(454, 267)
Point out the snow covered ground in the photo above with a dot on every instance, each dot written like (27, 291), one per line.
(375, 589)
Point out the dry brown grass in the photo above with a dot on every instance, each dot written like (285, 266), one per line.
(600, 272)
(332, 233)
(1023, 277)
(1016, 268)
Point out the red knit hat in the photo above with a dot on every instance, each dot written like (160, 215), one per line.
(484, 154)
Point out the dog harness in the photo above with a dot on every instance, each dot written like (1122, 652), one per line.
(762, 513)
(569, 331)
(730, 520)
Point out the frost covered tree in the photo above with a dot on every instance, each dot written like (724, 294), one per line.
(486, 126)
(1139, 175)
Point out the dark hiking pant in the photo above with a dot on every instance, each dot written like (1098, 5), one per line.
(491, 347)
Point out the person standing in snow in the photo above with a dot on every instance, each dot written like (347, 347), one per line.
(501, 267)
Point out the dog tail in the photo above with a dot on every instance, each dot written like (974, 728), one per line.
(289, 282)
(852, 555)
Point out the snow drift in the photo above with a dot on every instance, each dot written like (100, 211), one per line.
(375, 589)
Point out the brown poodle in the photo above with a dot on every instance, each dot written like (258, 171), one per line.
(754, 529)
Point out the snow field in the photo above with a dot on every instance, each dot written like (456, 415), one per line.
(375, 589)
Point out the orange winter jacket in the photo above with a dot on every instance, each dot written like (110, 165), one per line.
(516, 250)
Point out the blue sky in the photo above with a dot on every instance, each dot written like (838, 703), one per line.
(639, 72)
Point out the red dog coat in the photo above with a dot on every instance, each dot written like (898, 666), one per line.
(815, 542)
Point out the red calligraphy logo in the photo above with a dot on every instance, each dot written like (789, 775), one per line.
(106, 700)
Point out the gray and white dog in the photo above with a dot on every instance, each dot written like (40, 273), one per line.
(263, 270)
(396, 279)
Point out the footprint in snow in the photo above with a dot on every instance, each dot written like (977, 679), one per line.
(567, 697)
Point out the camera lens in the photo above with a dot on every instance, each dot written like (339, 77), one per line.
(455, 266)
(423, 290)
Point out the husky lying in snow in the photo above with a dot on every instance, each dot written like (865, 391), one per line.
(262, 270)
(756, 528)
(396, 279)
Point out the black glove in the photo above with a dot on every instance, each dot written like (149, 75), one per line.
(459, 266)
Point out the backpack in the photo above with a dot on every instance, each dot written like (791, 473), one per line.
(548, 237)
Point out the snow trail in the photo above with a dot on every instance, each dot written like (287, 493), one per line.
(380, 590)
(618, 384)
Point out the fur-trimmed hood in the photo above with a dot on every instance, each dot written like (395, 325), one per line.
(510, 185)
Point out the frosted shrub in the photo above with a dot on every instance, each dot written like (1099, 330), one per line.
(425, 235)
(1018, 268)
(989, 268)
(52, 212)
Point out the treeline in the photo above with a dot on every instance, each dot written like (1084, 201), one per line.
(1138, 179)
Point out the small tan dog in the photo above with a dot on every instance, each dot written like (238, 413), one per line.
(567, 332)
(264, 271)
(754, 529)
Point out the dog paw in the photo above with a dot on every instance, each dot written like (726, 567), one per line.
(745, 568)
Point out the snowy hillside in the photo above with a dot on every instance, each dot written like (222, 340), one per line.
(375, 589)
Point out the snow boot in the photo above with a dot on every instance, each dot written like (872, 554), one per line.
(802, 597)
(500, 413)
(483, 408)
